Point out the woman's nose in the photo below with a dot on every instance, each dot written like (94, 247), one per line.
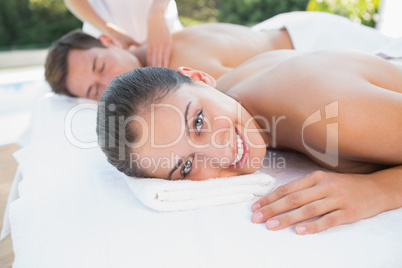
(222, 138)
(221, 146)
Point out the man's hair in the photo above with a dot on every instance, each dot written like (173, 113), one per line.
(56, 66)
(129, 95)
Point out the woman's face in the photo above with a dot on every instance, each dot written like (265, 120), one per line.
(197, 133)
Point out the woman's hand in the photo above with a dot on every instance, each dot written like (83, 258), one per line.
(332, 197)
(121, 36)
(159, 39)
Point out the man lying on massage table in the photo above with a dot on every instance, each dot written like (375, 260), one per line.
(340, 108)
(82, 66)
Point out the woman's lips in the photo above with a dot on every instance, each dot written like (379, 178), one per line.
(242, 151)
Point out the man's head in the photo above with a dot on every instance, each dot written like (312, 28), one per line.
(155, 122)
(80, 65)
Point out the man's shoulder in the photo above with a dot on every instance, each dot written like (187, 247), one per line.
(211, 27)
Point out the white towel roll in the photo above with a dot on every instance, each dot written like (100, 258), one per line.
(165, 195)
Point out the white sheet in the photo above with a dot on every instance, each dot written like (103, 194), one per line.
(312, 31)
(75, 210)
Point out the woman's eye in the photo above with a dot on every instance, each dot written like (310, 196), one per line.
(187, 167)
(198, 122)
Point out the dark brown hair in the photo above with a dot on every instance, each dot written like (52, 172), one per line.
(129, 95)
(56, 66)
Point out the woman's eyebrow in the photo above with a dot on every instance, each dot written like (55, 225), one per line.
(186, 119)
(175, 168)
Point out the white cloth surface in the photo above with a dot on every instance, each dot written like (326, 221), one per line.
(6, 230)
(76, 210)
(391, 49)
(312, 31)
(165, 195)
(131, 16)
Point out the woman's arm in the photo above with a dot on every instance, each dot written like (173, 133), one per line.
(332, 197)
(369, 132)
(84, 11)
(159, 39)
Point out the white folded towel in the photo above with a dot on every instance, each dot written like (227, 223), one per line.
(165, 195)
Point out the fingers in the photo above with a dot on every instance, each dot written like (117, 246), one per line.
(153, 56)
(166, 57)
(135, 43)
(131, 45)
(285, 190)
(159, 56)
(124, 41)
(289, 202)
(304, 213)
(314, 203)
(328, 208)
(325, 222)
(302, 200)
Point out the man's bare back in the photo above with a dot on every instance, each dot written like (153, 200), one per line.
(217, 48)
(358, 92)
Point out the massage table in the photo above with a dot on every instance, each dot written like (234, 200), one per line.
(69, 207)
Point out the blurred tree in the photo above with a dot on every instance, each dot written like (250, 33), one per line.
(246, 12)
(52, 19)
(12, 14)
(38, 22)
(197, 11)
(250, 12)
(361, 11)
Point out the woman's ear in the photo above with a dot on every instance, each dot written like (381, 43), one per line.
(198, 76)
(108, 41)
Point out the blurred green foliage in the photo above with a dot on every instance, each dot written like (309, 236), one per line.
(250, 12)
(245, 12)
(24, 23)
(361, 11)
(197, 11)
(37, 23)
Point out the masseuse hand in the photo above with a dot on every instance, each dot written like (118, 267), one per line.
(335, 198)
(121, 36)
(159, 41)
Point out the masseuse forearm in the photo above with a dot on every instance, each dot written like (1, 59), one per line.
(84, 11)
(159, 5)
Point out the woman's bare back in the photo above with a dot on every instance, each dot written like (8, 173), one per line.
(355, 94)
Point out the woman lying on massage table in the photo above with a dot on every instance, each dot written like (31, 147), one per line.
(341, 108)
